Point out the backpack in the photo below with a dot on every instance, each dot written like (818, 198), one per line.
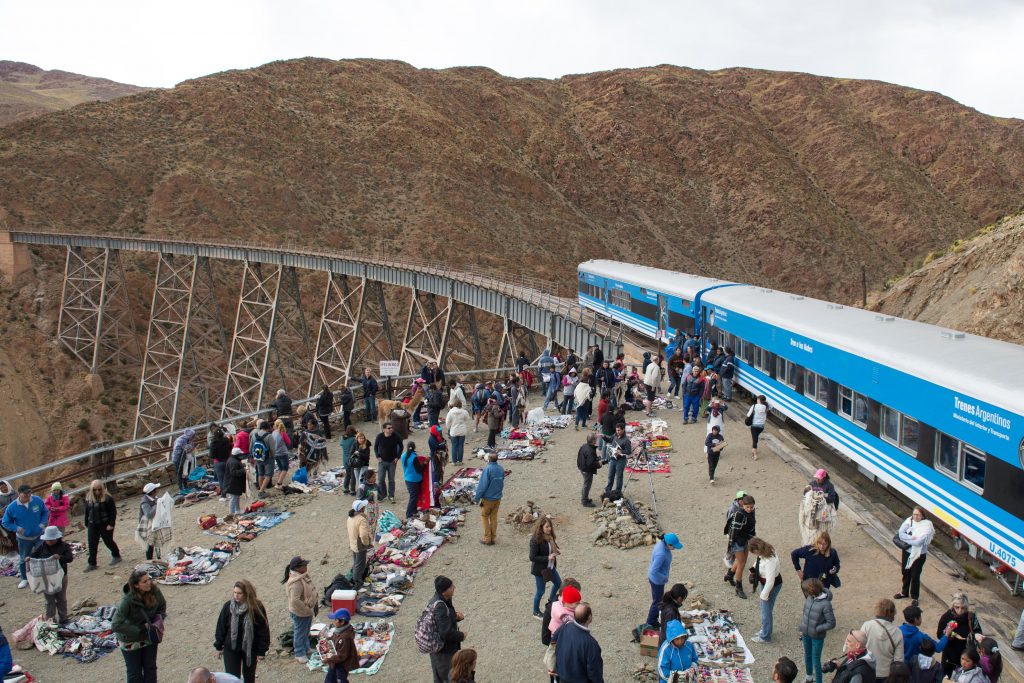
(428, 640)
(258, 448)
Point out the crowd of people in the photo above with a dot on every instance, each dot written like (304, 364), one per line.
(256, 458)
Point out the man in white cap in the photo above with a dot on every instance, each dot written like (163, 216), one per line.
(360, 540)
(147, 510)
(52, 544)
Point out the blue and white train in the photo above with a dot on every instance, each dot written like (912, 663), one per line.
(936, 414)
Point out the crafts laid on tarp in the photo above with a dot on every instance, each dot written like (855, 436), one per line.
(384, 590)
(414, 542)
(195, 566)
(724, 674)
(651, 433)
(85, 638)
(248, 526)
(717, 639)
(461, 487)
(373, 641)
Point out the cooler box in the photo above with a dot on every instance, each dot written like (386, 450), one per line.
(344, 599)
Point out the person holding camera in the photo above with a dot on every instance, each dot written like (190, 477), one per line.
(713, 445)
(857, 665)
(618, 453)
(587, 462)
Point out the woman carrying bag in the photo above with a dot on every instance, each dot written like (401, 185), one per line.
(138, 624)
(544, 561)
(242, 637)
(915, 535)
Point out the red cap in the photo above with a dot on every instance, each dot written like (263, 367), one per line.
(571, 595)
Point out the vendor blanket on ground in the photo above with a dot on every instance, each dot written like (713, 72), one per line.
(85, 638)
(250, 525)
(373, 641)
(195, 566)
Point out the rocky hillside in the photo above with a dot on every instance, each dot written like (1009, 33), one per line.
(782, 179)
(977, 286)
(27, 90)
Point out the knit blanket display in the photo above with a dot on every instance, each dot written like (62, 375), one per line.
(373, 642)
(195, 566)
(84, 638)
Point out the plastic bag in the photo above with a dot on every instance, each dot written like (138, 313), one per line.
(301, 476)
(23, 636)
(535, 416)
(197, 474)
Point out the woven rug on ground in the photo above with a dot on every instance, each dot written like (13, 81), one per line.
(373, 641)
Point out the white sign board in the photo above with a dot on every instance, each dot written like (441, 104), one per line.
(389, 368)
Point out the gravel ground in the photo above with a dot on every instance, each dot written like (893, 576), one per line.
(493, 584)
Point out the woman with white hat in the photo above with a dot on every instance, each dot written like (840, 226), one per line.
(52, 544)
(57, 503)
(147, 510)
(360, 540)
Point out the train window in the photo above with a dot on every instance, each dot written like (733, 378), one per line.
(620, 298)
(947, 456)
(853, 406)
(890, 428)
(810, 384)
(845, 406)
(787, 372)
(860, 410)
(822, 396)
(909, 432)
(974, 467)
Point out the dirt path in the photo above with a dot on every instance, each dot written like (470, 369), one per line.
(493, 584)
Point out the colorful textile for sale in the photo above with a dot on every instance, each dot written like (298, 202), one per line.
(196, 566)
(383, 590)
(413, 543)
(373, 641)
(725, 674)
(461, 487)
(85, 638)
(248, 526)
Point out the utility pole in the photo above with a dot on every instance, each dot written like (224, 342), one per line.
(864, 283)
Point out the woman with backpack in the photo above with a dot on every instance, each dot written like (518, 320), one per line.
(544, 561)
(52, 544)
(756, 419)
(242, 636)
(412, 472)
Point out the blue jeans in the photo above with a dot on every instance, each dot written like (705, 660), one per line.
(616, 470)
(218, 472)
(690, 402)
(370, 405)
(727, 388)
(24, 548)
(657, 593)
(568, 405)
(458, 445)
(556, 582)
(386, 473)
(300, 635)
(812, 656)
(581, 415)
(766, 612)
(673, 385)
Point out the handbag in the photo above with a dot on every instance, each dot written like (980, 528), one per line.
(899, 542)
(749, 419)
(155, 629)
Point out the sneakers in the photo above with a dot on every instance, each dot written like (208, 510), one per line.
(900, 596)
(712, 482)
(223, 499)
(759, 639)
(115, 561)
(302, 660)
(23, 583)
(589, 504)
(391, 499)
(538, 616)
(90, 568)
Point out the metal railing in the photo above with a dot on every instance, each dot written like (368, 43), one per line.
(137, 446)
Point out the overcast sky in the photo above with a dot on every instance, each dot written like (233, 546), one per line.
(971, 50)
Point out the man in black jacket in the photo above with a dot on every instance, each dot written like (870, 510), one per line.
(588, 463)
(324, 408)
(445, 620)
(52, 543)
(370, 388)
(347, 402)
(388, 449)
(282, 404)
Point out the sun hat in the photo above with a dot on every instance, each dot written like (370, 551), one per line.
(358, 505)
(340, 613)
(150, 487)
(52, 533)
(673, 541)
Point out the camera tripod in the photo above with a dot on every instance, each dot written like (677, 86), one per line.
(643, 459)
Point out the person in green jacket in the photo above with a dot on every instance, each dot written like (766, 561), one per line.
(141, 611)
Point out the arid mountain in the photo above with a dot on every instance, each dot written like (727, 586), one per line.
(27, 90)
(977, 287)
(782, 179)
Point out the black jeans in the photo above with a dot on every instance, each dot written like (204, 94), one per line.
(713, 457)
(588, 480)
(441, 666)
(912, 576)
(234, 664)
(326, 421)
(140, 665)
(94, 534)
(492, 437)
(413, 487)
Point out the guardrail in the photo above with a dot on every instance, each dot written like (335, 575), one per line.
(104, 460)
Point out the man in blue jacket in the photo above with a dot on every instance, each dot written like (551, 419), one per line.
(26, 516)
(578, 655)
(488, 495)
(657, 573)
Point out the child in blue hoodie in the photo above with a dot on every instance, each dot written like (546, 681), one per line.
(677, 653)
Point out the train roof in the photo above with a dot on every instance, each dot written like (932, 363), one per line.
(977, 366)
(665, 281)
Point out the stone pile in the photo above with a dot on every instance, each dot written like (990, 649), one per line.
(646, 673)
(616, 527)
(524, 517)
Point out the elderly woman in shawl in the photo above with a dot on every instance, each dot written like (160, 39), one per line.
(916, 533)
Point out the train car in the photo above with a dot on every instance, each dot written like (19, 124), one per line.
(642, 297)
(936, 414)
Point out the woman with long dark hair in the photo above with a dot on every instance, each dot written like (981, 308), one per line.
(669, 607)
(740, 528)
(412, 472)
(138, 624)
(242, 637)
(544, 561)
(463, 667)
